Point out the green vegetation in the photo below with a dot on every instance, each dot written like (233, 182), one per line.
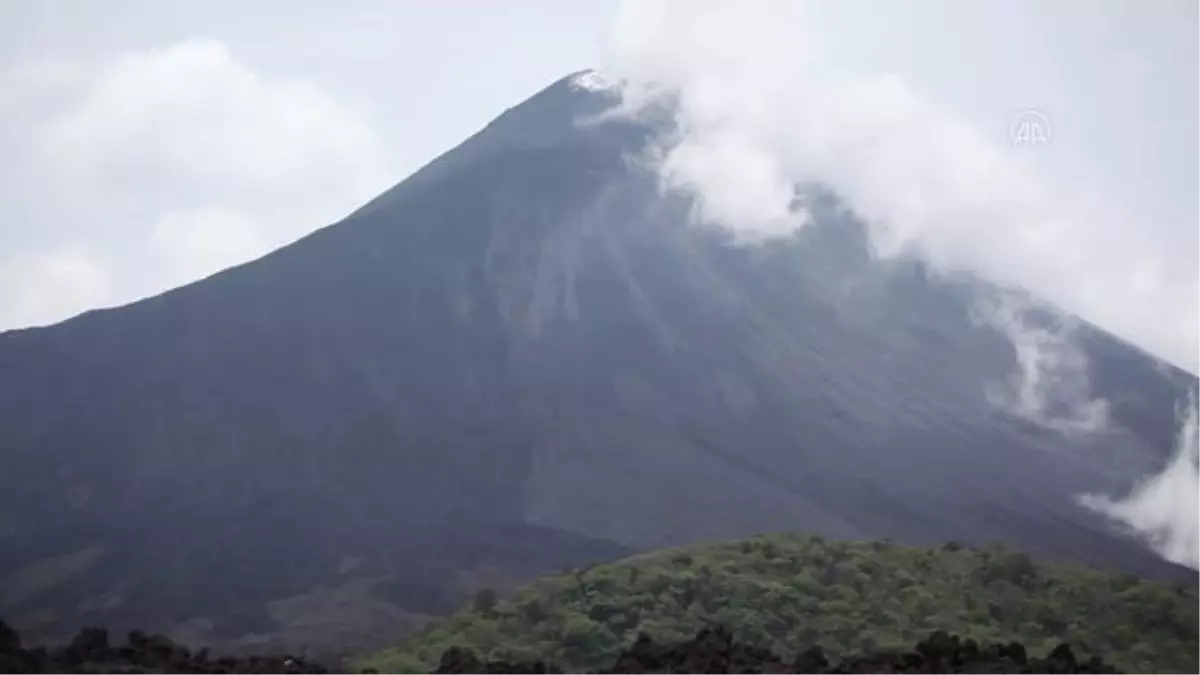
(787, 593)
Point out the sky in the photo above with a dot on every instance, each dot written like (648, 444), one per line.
(1047, 145)
(149, 144)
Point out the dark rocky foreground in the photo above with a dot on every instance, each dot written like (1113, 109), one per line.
(712, 652)
(90, 652)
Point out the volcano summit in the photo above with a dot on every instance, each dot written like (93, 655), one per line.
(527, 357)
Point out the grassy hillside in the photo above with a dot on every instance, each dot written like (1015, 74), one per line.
(787, 593)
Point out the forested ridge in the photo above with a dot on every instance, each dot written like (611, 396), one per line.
(790, 593)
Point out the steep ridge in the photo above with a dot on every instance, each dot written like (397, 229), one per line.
(522, 358)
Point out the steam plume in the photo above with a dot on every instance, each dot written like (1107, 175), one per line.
(761, 106)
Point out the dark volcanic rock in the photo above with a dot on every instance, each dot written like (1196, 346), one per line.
(90, 644)
(10, 640)
(89, 652)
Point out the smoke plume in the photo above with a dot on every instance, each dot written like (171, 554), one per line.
(1050, 384)
(1165, 509)
(761, 105)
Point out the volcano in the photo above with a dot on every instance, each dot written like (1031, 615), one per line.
(527, 357)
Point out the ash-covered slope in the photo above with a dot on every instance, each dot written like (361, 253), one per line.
(519, 359)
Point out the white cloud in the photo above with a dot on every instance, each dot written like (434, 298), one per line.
(763, 104)
(202, 242)
(755, 120)
(165, 165)
(191, 113)
(67, 280)
(761, 107)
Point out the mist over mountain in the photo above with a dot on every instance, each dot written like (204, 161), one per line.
(528, 356)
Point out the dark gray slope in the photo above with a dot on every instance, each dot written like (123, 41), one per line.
(521, 359)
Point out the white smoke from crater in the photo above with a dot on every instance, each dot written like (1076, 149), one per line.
(760, 106)
(1165, 509)
(756, 115)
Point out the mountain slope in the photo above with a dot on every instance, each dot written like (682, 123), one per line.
(521, 358)
(788, 593)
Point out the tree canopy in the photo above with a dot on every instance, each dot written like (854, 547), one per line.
(788, 593)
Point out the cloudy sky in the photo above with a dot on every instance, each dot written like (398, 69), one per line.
(149, 144)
